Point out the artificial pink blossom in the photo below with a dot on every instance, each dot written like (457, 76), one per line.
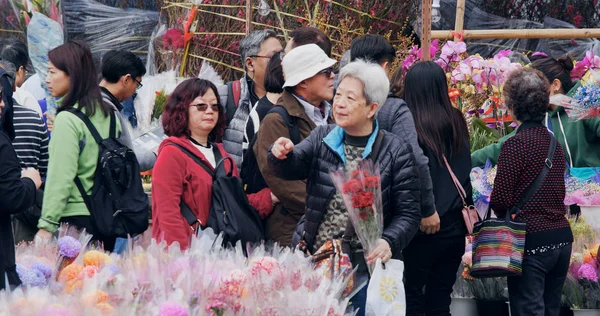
(588, 272)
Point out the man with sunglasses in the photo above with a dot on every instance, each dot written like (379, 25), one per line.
(122, 73)
(308, 86)
(239, 97)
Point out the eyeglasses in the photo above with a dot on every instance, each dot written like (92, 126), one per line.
(326, 71)
(139, 84)
(202, 107)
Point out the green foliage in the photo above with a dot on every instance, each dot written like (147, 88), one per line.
(159, 104)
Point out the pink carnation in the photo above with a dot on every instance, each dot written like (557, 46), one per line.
(588, 272)
(173, 309)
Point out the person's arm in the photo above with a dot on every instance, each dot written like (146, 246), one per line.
(146, 158)
(292, 194)
(62, 168)
(406, 195)
(480, 157)
(167, 191)
(296, 164)
(16, 193)
(511, 164)
(404, 127)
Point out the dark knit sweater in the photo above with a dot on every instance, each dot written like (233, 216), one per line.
(521, 159)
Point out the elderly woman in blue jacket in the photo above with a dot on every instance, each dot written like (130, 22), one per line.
(363, 88)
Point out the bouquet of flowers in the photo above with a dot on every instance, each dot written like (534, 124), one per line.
(586, 99)
(361, 192)
(582, 191)
(582, 287)
(482, 181)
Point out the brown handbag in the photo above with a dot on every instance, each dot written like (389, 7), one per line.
(469, 212)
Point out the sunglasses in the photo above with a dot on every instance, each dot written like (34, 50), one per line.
(326, 71)
(202, 107)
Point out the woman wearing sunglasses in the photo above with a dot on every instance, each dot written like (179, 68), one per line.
(195, 121)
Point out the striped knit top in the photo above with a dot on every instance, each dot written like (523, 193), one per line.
(31, 139)
(521, 159)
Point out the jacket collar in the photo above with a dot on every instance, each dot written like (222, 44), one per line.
(528, 125)
(294, 108)
(111, 97)
(335, 141)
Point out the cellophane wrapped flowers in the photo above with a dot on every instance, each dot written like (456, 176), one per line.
(361, 191)
(59, 279)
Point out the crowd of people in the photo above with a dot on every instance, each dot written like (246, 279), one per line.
(286, 124)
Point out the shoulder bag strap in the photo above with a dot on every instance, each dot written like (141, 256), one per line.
(293, 129)
(538, 180)
(89, 124)
(195, 158)
(186, 212)
(459, 187)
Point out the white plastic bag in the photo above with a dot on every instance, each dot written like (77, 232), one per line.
(385, 294)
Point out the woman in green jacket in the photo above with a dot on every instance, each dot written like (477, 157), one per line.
(579, 139)
(73, 151)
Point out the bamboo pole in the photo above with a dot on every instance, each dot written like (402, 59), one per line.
(460, 18)
(248, 16)
(532, 33)
(425, 30)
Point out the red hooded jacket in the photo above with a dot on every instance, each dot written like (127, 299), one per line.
(176, 176)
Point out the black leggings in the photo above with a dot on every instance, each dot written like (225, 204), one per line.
(85, 222)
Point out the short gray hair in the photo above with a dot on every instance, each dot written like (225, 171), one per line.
(10, 69)
(250, 45)
(376, 84)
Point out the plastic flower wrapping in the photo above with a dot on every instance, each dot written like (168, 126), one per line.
(161, 280)
(583, 191)
(582, 289)
(487, 289)
(361, 192)
(482, 181)
(586, 99)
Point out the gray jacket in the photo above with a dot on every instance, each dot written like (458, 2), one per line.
(146, 158)
(395, 117)
(233, 140)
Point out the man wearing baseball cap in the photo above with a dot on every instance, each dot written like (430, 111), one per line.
(308, 86)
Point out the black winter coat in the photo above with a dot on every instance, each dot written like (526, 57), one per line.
(313, 159)
(16, 195)
(395, 117)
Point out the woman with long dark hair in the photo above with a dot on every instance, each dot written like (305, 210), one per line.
(431, 261)
(73, 151)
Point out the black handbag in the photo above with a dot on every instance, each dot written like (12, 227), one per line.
(230, 211)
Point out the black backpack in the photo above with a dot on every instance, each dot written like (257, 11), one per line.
(230, 211)
(250, 174)
(118, 205)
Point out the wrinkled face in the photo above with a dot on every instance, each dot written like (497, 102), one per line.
(258, 64)
(57, 81)
(203, 113)
(350, 108)
(320, 86)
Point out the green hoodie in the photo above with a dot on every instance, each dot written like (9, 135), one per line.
(73, 152)
(582, 136)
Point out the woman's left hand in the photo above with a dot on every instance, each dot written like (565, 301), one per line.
(382, 250)
(43, 236)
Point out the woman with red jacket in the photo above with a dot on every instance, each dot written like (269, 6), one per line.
(195, 120)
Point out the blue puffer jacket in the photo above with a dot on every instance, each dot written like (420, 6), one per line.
(323, 151)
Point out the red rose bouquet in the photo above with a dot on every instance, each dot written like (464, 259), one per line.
(361, 191)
